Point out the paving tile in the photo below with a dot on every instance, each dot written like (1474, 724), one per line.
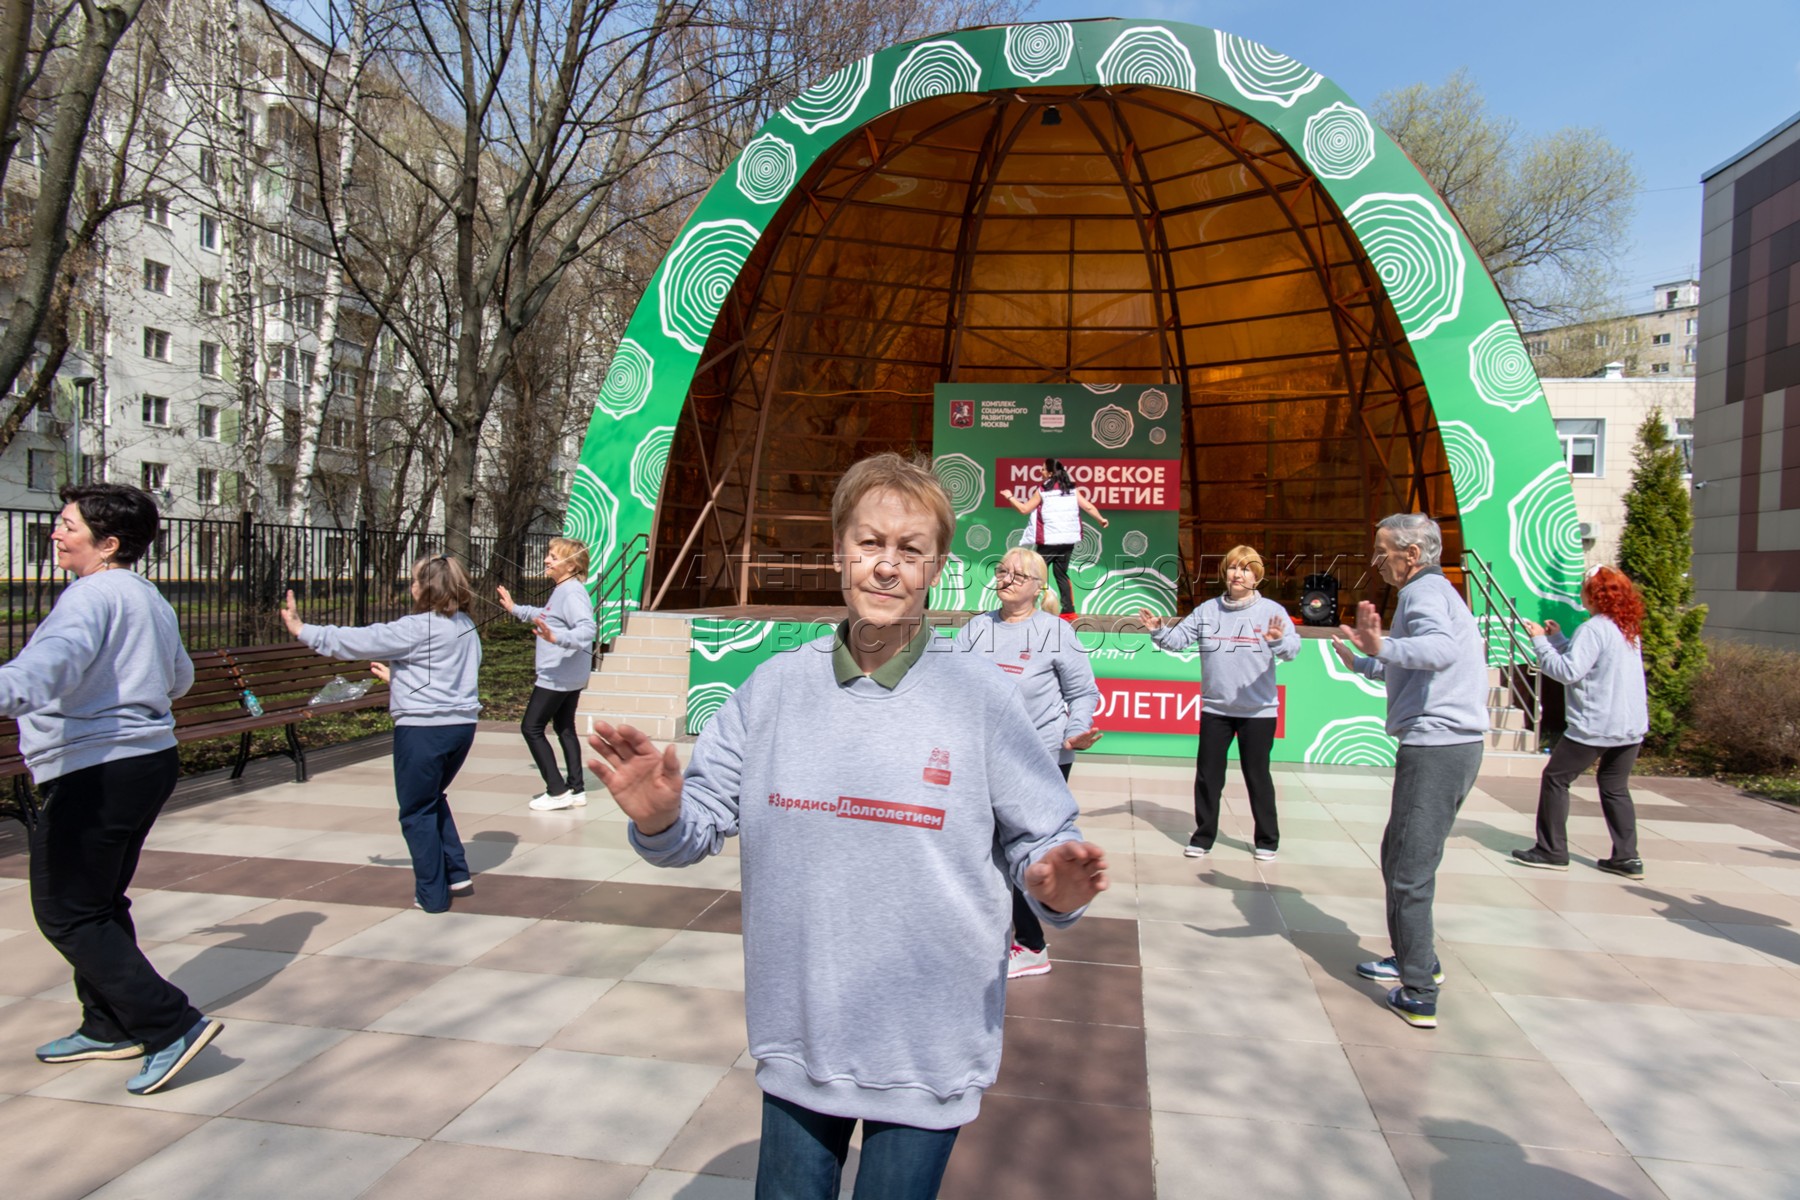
(169, 916)
(718, 871)
(1236, 1157)
(1663, 938)
(164, 868)
(1780, 944)
(388, 887)
(520, 895)
(440, 1169)
(681, 1185)
(1097, 940)
(241, 1061)
(1217, 908)
(1719, 987)
(1527, 971)
(1653, 1037)
(341, 993)
(639, 904)
(40, 1133)
(508, 1007)
(1258, 960)
(1708, 1181)
(725, 1132)
(724, 915)
(692, 959)
(1737, 1119)
(622, 1110)
(1769, 1044)
(568, 862)
(30, 966)
(576, 948)
(1325, 881)
(24, 1026)
(1453, 1167)
(267, 877)
(288, 926)
(1493, 926)
(1050, 1060)
(240, 841)
(207, 974)
(1300, 1082)
(649, 1020)
(1216, 1003)
(227, 1159)
(1366, 915)
(384, 1083)
(447, 938)
(1097, 993)
(1027, 1149)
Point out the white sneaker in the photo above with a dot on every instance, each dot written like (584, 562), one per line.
(1023, 962)
(1262, 855)
(545, 802)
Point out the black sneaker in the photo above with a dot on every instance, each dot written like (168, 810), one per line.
(1531, 856)
(1421, 1014)
(1630, 868)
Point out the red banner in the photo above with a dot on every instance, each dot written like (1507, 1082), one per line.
(1161, 706)
(1149, 484)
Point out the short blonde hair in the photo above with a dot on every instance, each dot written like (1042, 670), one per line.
(573, 552)
(912, 481)
(443, 586)
(1242, 556)
(1037, 568)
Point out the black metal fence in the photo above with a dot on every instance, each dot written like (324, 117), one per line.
(227, 579)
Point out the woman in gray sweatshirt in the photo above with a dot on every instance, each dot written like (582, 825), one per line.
(1602, 667)
(1241, 635)
(92, 693)
(433, 663)
(565, 628)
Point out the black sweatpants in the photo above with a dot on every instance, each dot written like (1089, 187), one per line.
(1056, 557)
(556, 709)
(1256, 742)
(84, 851)
(1567, 762)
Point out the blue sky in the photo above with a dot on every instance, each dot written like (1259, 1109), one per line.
(1682, 86)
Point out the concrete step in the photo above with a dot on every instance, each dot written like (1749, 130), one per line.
(657, 625)
(1516, 741)
(659, 729)
(1506, 717)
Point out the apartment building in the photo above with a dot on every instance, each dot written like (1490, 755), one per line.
(1660, 341)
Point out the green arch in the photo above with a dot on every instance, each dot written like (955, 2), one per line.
(1516, 504)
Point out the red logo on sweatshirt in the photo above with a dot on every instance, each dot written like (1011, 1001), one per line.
(888, 812)
(937, 770)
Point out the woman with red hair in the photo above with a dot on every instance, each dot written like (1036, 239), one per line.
(1602, 667)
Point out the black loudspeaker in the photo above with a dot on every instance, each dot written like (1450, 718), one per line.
(1319, 600)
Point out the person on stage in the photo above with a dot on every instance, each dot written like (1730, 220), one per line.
(92, 691)
(565, 628)
(1042, 654)
(1242, 634)
(886, 789)
(1602, 667)
(1055, 528)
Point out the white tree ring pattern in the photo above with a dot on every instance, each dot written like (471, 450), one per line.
(1258, 73)
(1471, 464)
(935, 69)
(1113, 426)
(697, 276)
(1153, 404)
(1339, 141)
(649, 462)
(628, 380)
(964, 479)
(1130, 588)
(1135, 543)
(593, 518)
(1545, 536)
(1417, 253)
(832, 100)
(1034, 52)
(1337, 670)
(1158, 436)
(1088, 550)
(1102, 389)
(1353, 742)
(766, 170)
(950, 592)
(979, 537)
(704, 700)
(1501, 369)
(716, 637)
(1148, 55)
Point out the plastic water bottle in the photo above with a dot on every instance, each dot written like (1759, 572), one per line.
(252, 703)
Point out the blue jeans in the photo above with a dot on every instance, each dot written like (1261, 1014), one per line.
(803, 1152)
(426, 759)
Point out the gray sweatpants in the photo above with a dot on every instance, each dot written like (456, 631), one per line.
(1430, 784)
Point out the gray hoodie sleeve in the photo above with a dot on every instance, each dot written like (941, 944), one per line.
(1080, 691)
(710, 792)
(394, 639)
(574, 608)
(1182, 635)
(1430, 643)
(59, 653)
(1574, 658)
(1288, 648)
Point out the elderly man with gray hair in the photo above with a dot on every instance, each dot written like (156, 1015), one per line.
(1435, 669)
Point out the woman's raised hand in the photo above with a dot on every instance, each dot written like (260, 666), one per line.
(644, 781)
(1533, 629)
(290, 614)
(1082, 741)
(1275, 632)
(506, 600)
(380, 671)
(1151, 621)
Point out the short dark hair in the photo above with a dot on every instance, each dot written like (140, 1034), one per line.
(116, 510)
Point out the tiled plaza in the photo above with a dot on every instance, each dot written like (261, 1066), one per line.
(576, 1028)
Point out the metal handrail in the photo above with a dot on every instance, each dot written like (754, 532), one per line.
(610, 586)
(1520, 660)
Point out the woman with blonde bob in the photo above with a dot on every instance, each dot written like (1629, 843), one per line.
(565, 628)
(1241, 635)
(1026, 638)
(432, 658)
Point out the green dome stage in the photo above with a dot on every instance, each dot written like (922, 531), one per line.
(1096, 202)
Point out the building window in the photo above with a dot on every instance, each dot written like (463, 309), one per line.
(284, 363)
(206, 485)
(1659, 368)
(40, 470)
(1673, 296)
(156, 344)
(1682, 434)
(1601, 341)
(209, 167)
(338, 432)
(85, 396)
(1661, 339)
(209, 359)
(208, 421)
(1631, 335)
(155, 476)
(306, 311)
(38, 546)
(209, 234)
(209, 296)
(309, 362)
(1687, 354)
(1537, 346)
(156, 210)
(1581, 443)
(1693, 325)
(284, 491)
(156, 276)
(155, 409)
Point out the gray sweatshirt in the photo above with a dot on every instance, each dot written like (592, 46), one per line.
(1237, 666)
(565, 664)
(1045, 658)
(1434, 664)
(880, 829)
(1604, 675)
(95, 681)
(436, 663)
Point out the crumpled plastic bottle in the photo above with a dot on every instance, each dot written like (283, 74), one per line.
(252, 703)
(340, 690)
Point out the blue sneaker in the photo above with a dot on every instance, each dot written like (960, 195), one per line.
(1421, 1014)
(79, 1047)
(1387, 970)
(166, 1063)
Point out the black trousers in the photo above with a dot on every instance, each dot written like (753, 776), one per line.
(1256, 741)
(1028, 931)
(1056, 557)
(1567, 762)
(556, 709)
(84, 851)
